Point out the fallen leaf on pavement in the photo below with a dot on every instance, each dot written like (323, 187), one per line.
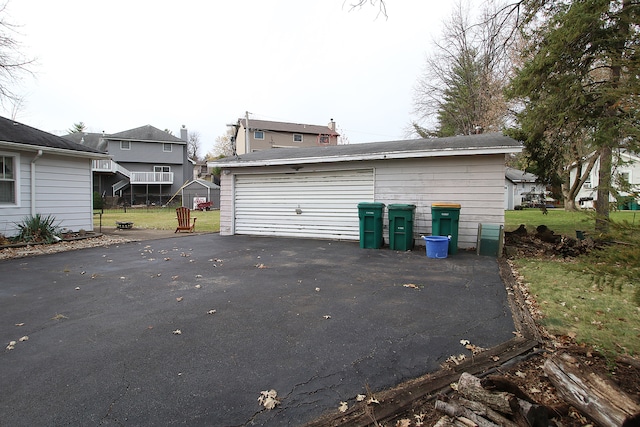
(177, 332)
(179, 299)
(24, 338)
(211, 312)
(268, 399)
(326, 316)
(343, 407)
(411, 285)
(360, 397)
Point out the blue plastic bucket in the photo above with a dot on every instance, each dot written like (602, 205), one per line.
(437, 246)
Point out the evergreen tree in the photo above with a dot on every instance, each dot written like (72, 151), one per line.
(579, 85)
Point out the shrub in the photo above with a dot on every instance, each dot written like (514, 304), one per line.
(98, 202)
(38, 229)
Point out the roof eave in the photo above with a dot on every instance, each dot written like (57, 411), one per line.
(52, 150)
(373, 156)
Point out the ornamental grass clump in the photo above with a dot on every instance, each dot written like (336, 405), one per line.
(38, 229)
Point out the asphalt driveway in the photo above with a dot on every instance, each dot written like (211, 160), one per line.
(315, 320)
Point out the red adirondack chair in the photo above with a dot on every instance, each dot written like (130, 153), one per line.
(184, 220)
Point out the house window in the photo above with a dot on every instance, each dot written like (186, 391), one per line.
(625, 178)
(258, 134)
(7, 180)
(587, 182)
(167, 148)
(323, 139)
(297, 137)
(162, 168)
(125, 145)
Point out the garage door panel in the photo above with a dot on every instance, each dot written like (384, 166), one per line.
(312, 204)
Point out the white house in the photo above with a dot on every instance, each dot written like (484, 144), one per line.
(628, 168)
(41, 173)
(521, 189)
(314, 192)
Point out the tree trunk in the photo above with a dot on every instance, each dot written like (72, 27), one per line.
(595, 396)
(604, 189)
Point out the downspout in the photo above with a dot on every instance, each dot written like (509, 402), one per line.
(33, 182)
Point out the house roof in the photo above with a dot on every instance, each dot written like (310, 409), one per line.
(288, 127)
(93, 140)
(518, 176)
(203, 183)
(18, 135)
(146, 133)
(489, 143)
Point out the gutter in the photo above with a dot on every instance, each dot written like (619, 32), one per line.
(33, 181)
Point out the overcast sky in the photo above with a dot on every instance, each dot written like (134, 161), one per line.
(117, 65)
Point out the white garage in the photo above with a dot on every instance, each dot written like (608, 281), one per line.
(314, 192)
(310, 204)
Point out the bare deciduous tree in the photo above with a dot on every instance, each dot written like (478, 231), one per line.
(13, 64)
(193, 145)
(461, 88)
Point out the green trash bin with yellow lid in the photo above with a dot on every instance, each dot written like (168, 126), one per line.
(445, 219)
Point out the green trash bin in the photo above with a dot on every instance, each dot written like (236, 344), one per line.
(445, 218)
(401, 227)
(370, 214)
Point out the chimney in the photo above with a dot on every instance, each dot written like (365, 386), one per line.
(183, 133)
(332, 125)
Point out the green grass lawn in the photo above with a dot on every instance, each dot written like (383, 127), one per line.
(562, 222)
(157, 218)
(594, 298)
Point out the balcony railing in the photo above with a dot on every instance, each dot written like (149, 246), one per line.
(109, 166)
(151, 178)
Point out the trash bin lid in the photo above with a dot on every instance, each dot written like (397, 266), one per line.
(401, 206)
(445, 205)
(370, 205)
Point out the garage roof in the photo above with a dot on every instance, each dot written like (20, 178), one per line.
(489, 143)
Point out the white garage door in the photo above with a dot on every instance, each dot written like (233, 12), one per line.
(311, 204)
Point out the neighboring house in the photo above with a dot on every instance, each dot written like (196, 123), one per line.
(200, 170)
(147, 166)
(198, 191)
(44, 174)
(314, 192)
(521, 189)
(263, 135)
(628, 169)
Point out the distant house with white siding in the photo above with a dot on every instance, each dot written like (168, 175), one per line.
(314, 192)
(44, 174)
(627, 168)
(522, 189)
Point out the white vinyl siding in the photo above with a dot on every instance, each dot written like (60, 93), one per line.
(303, 204)
(474, 182)
(63, 190)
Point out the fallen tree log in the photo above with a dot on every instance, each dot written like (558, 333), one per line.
(595, 396)
(524, 412)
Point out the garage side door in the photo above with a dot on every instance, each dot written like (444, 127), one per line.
(312, 204)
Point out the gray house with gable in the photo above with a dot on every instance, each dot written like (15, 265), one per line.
(147, 166)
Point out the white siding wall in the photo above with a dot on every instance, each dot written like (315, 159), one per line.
(227, 189)
(475, 182)
(63, 189)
